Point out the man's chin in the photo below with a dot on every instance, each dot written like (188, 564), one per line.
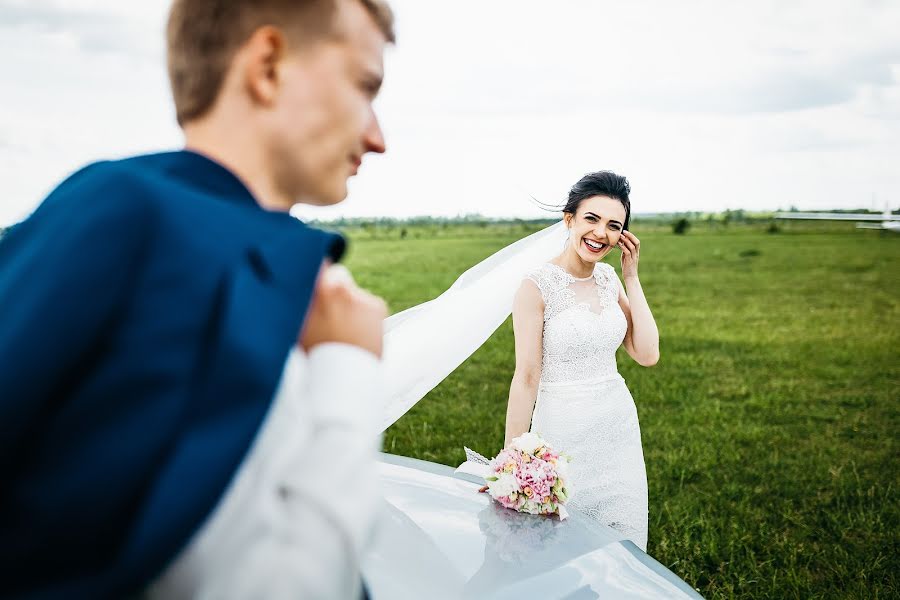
(323, 197)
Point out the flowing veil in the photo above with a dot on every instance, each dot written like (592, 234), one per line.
(425, 343)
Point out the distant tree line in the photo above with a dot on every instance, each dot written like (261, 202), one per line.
(680, 222)
(723, 218)
(470, 219)
(476, 225)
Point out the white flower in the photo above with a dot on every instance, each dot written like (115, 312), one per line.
(562, 469)
(528, 442)
(504, 486)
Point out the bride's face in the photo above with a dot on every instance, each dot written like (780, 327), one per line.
(595, 229)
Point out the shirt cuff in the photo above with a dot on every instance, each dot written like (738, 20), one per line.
(345, 384)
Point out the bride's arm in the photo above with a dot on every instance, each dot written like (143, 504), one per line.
(642, 338)
(528, 328)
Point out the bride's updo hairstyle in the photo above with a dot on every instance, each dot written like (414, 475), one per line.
(601, 183)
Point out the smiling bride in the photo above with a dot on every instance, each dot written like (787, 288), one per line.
(570, 315)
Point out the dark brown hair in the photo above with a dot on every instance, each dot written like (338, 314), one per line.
(600, 183)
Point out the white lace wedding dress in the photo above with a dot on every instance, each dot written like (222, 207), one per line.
(583, 406)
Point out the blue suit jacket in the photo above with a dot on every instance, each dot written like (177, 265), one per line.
(148, 307)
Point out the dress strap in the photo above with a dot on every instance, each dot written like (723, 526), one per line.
(607, 282)
(550, 280)
(553, 283)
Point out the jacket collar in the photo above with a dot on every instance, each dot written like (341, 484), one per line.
(203, 172)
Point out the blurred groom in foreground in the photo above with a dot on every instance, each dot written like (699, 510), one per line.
(188, 388)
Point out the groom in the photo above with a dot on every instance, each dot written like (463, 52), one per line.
(153, 307)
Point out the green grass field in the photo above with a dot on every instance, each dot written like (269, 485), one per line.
(769, 425)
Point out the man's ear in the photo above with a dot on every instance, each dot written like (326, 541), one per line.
(262, 56)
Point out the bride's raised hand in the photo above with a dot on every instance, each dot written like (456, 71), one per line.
(631, 251)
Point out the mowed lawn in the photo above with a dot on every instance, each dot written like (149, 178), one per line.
(769, 425)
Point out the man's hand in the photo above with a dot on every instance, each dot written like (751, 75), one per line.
(342, 312)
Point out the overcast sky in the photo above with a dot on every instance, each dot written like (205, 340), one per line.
(704, 105)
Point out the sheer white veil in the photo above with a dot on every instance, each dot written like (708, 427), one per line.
(425, 343)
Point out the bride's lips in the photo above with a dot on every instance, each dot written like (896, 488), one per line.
(596, 249)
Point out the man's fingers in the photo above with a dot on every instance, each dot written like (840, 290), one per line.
(339, 274)
(371, 302)
(342, 312)
(335, 277)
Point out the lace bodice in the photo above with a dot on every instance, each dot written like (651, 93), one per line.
(583, 323)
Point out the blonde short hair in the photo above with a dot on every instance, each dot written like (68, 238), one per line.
(203, 35)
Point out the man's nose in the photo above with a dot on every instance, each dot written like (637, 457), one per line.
(373, 138)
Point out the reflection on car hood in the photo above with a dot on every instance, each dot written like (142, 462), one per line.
(437, 537)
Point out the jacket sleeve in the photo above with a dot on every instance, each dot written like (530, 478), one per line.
(300, 510)
(64, 272)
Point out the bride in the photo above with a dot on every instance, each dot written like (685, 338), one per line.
(570, 315)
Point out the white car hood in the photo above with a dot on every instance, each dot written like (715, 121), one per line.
(437, 537)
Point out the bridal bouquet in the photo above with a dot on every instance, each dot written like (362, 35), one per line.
(529, 476)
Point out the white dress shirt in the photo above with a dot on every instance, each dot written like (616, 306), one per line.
(297, 514)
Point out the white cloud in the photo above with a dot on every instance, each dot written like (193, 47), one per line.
(704, 105)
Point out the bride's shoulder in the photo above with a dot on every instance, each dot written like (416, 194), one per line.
(540, 269)
(544, 273)
(543, 276)
(606, 277)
